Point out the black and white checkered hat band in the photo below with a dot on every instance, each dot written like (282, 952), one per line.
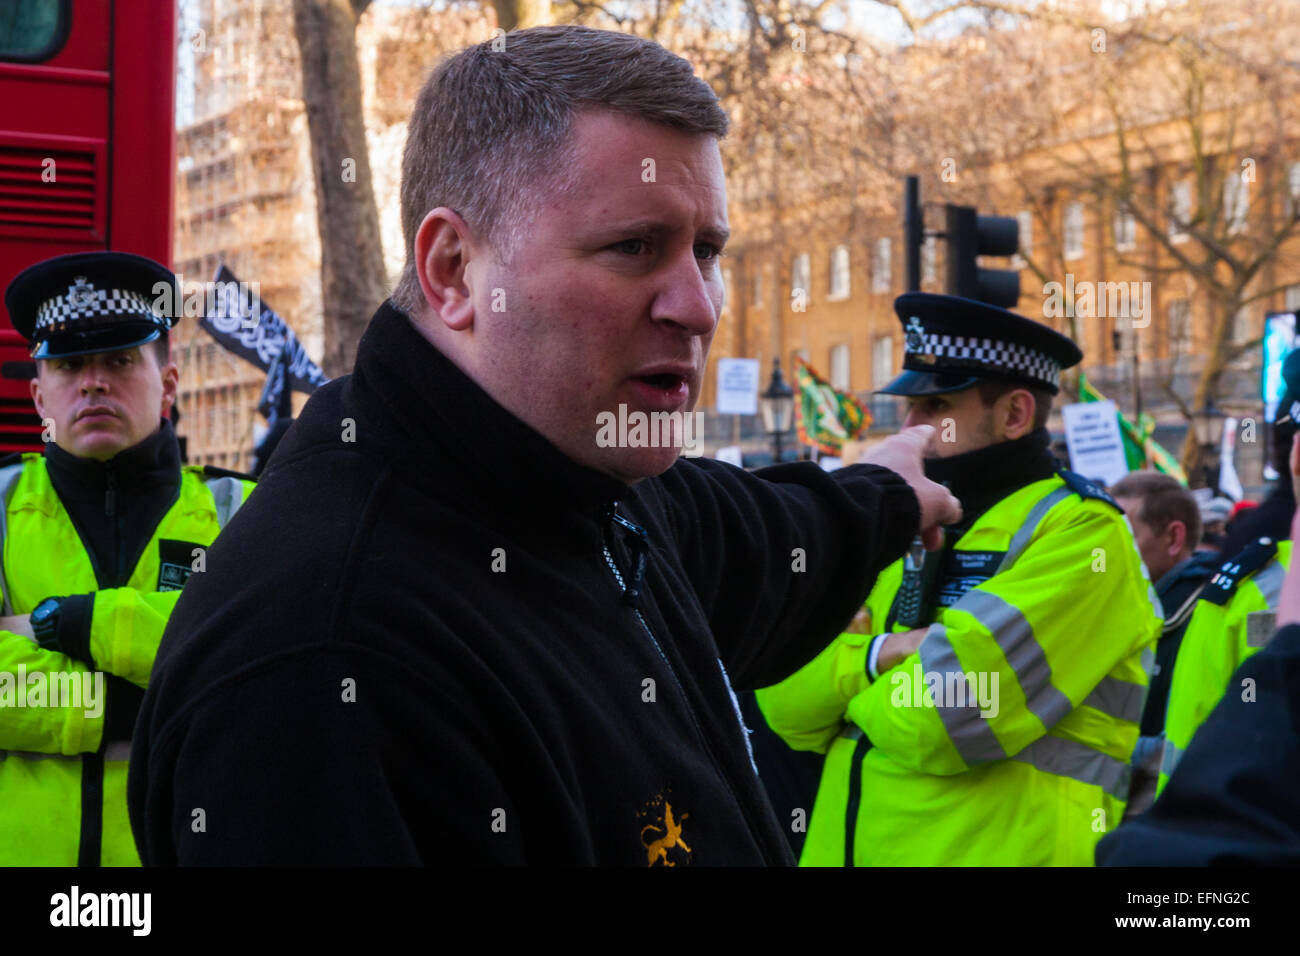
(87, 304)
(989, 354)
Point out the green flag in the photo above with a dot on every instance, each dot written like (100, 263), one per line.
(825, 417)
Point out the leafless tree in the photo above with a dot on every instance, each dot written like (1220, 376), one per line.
(352, 267)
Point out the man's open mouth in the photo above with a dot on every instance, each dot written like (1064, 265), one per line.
(665, 381)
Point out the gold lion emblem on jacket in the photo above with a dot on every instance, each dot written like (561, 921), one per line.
(669, 838)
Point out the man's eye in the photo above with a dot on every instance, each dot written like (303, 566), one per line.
(707, 250)
(631, 246)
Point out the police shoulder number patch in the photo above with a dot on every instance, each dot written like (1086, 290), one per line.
(1087, 488)
(1219, 589)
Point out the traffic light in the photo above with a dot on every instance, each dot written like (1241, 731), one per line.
(969, 236)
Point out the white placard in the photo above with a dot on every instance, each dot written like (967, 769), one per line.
(737, 386)
(1093, 438)
(731, 454)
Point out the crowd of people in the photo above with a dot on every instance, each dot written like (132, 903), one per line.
(447, 625)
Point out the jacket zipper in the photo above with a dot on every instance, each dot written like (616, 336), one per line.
(110, 511)
(690, 710)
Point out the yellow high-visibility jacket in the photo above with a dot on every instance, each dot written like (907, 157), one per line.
(52, 713)
(1006, 739)
(1218, 639)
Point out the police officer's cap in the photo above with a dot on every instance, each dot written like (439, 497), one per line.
(91, 302)
(1288, 409)
(951, 344)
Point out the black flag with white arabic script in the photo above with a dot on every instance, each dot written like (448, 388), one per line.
(248, 327)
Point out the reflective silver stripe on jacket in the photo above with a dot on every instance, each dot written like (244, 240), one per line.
(1020, 540)
(9, 476)
(228, 493)
(118, 750)
(1118, 698)
(1028, 660)
(1172, 755)
(1269, 582)
(1260, 625)
(1146, 767)
(1069, 758)
(967, 729)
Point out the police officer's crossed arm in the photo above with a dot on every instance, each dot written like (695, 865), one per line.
(20, 624)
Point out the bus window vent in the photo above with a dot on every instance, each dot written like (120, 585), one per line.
(49, 190)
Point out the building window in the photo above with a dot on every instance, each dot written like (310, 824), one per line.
(1241, 325)
(1124, 338)
(756, 291)
(840, 272)
(1180, 211)
(799, 277)
(1125, 226)
(1236, 202)
(1073, 232)
(882, 362)
(929, 260)
(1291, 298)
(726, 290)
(840, 367)
(794, 360)
(881, 275)
(1025, 229)
(1180, 327)
(1293, 190)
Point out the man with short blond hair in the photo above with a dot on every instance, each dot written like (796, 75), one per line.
(512, 641)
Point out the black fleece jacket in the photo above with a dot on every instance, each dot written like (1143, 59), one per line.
(438, 661)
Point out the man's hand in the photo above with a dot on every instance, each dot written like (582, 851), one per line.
(18, 624)
(897, 647)
(902, 454)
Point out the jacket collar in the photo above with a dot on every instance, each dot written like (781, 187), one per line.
(440, 416)
(1200, 564)
(152, 463)
(985, 476)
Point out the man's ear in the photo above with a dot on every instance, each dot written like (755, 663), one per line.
(442, 254)
(36, 396)
(171, 377)
(1017, 414)
(1177, 538)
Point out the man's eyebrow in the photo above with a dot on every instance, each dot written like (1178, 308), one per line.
(718, 235)
(658, 227)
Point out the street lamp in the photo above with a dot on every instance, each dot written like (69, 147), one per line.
(777, 407)
(1207, 426)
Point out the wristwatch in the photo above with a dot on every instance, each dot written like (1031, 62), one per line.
(45, 622)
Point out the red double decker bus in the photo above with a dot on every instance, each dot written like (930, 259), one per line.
(87, 151)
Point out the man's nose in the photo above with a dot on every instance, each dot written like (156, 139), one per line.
(92, 378)
(915, 417)
(685, 299)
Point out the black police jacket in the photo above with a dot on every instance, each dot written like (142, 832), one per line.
(430, 637)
